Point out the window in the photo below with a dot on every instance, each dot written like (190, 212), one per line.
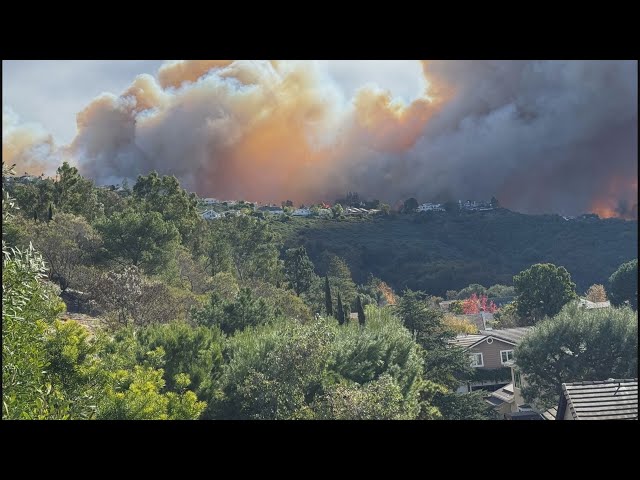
(476, 360)
(517, 381)
(506, 355)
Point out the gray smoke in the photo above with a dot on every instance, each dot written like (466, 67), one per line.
(541, 136)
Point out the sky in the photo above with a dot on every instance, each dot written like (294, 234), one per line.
(52, 92)
(541, 136)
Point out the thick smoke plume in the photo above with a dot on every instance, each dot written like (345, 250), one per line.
(541, 136)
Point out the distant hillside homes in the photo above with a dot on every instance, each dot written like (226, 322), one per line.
(467, 205)
(360, 211)
(430, 207)
(473, 206)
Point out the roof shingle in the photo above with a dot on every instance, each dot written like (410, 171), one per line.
(600, 400)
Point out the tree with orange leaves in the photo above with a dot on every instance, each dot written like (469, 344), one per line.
(475, 304)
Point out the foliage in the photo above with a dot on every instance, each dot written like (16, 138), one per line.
(165, 196)
(327, 297)
(298, 269)
(274, 371)
(74, 367)
(443, 365)
(28, 306)
(470, 406)
(192, 272)
(624, 284)
(138, 238)
(596, 293)
(543, 290)
(67, 243)
(283, 302)
(507, 316)
(230, 316)
(459, 325)
(74, 194)
(340, 278)
(246, 247)
(337, 210)
(409, 205)
(456, 307)
(473, 288)
(437, 253)
(194, 351)
(474, 304)
(578, 345)
(136, 395)
(379, 399)
(500, 291)
(340, 311)
(360, 310)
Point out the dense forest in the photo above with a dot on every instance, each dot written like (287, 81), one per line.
(124, 303)
(437, 252)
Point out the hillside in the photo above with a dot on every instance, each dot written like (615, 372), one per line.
(436, 251)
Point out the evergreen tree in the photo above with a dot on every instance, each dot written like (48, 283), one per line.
(35, 215)
(327, 296)
(361, 317)
(298, 269)
(341, 315)
(50, 213)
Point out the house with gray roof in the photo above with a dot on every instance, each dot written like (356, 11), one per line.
(491, 353)
(611, 399)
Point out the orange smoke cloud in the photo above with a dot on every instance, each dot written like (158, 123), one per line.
(174, 74)
(28, 146)
(532, 133)
(243, 129)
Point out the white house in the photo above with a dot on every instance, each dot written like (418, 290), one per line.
(301, 212)
(210, 201)
(211, 215)
(430, 207)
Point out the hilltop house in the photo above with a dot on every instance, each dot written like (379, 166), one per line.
(210, 215)
(589, 305)
(430, 207)
(301, 212)
(490, 352)
(274, 209)
(609, 399)
(358, 211)
(474, 206)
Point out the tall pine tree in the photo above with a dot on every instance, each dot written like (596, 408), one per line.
(340, 310)
(327, 296)
(361, 317)
(50, 213)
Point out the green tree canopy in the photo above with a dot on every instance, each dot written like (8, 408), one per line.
(577, 345)
(543, 290)
(195, 351)
(165, 196)
(298, 269)
(75, 194)
(138, 238)
(410, 205)
(624, 284)
(247, 247)
(67, 243)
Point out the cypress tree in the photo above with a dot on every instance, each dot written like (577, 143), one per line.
(50, 213)
(361, 317)
(327, 296)
(341, 316)
(35, 215)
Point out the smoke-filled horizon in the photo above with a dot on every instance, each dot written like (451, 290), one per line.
(541, 136)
